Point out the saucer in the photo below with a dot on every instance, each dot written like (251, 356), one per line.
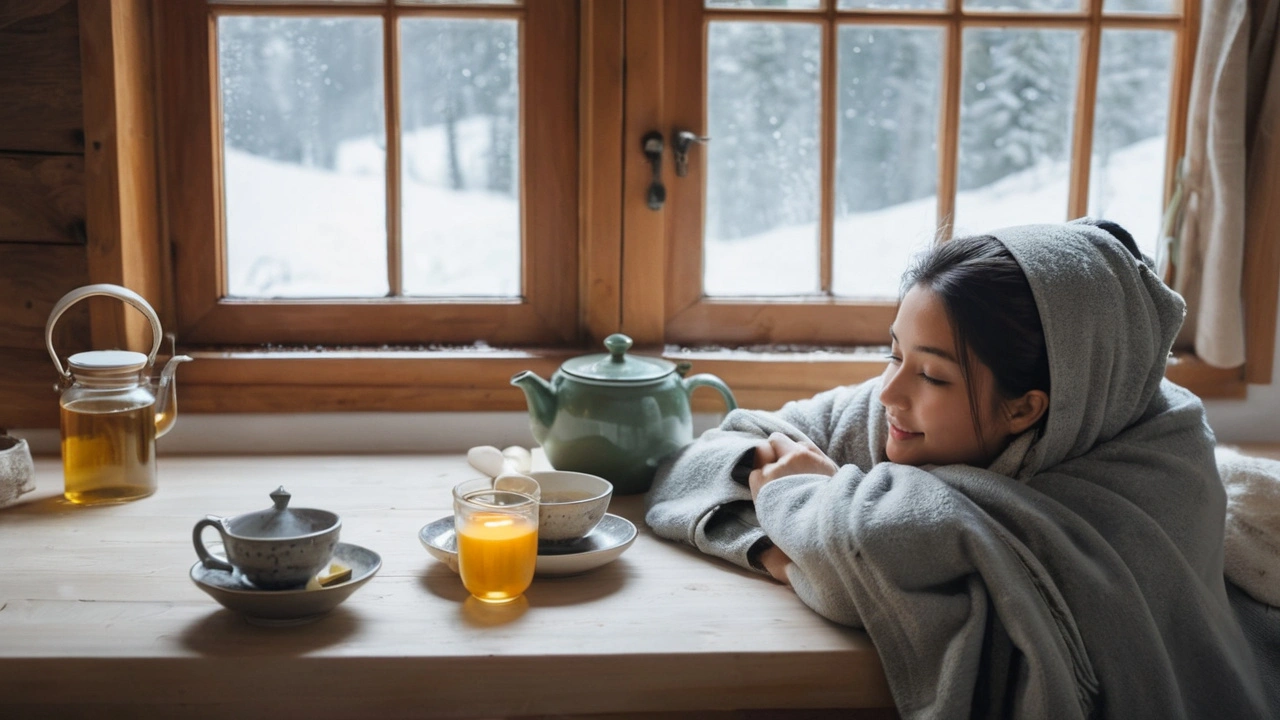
(609, 539)
(287, 607)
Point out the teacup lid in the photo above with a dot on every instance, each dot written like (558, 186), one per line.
(617, 366)
(280, 521)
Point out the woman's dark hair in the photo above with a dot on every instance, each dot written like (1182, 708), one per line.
(992, 312)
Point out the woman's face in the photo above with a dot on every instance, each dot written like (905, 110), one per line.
(926, 398)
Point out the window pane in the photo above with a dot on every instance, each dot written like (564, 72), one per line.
(1016, 110)
(893, 4)
(1131, 119)
(303, 125)
(763, 159)
(887, 161)
(460, 170)
(1137, 6)
(771, 4)
(1027, 5)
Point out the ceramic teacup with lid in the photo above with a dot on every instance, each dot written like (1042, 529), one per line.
(274, 549)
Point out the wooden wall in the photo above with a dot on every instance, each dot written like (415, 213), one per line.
(42, 201)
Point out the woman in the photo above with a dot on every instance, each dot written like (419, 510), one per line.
(1022, 512)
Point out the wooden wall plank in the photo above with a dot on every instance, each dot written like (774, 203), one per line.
(32, 278)
(42, 198)
(40, 77)
(27, 398)
(42, 251)
(1262, 241)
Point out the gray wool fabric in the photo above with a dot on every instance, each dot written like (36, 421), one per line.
(1081, 575)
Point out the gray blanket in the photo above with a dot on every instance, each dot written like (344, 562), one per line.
(1079, 576)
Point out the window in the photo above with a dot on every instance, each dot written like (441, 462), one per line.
(846, 136)
(372, 172)
(470, 174)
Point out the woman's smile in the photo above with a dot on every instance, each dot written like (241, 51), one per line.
(901, 435)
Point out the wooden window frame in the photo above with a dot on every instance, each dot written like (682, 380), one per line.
(670, 308)
(621, 277)
(191, 138)
(691, 317)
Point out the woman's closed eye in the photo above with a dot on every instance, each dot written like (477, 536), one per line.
(896, 360)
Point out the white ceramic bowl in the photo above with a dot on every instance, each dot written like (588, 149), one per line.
(572, 504)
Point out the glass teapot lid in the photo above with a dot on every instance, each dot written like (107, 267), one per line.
(107, 361)
(107, 368)
(616, 367)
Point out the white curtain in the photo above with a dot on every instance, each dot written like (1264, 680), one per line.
(1230, 173)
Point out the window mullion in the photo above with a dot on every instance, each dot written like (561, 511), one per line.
(643, 262)
(1086, 92)
(949, 124)
(826, 214)
(1180, 99)
(391, 80)
(602, 167)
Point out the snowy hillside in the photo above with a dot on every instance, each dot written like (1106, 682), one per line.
(295, 231)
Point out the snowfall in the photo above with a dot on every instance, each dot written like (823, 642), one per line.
(295, 231)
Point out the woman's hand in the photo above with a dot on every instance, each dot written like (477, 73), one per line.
(780, 456)
(775, 562)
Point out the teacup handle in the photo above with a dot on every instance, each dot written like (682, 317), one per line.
(711, 381)
(208, 559)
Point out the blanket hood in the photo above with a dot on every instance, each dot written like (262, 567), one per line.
(1109, 324)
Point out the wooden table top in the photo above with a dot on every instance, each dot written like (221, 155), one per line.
(97, 612)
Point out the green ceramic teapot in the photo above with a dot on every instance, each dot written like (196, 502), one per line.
(614, 415)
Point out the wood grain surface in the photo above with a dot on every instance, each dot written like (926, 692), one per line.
(40, 77)
(98, 615)
(42, 199)
(32, 278)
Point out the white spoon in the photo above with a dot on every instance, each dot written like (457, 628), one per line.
(518, 459)
(487, 459)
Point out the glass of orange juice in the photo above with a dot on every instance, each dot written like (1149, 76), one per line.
(497, 540)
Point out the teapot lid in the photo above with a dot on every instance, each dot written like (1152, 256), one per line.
(110, 360)
(281, 521)
(617, 366)
(107, 369)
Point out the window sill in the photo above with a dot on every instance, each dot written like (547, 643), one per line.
(479, 380)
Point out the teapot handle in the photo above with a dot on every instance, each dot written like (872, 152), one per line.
(115, 291)
(711, 381)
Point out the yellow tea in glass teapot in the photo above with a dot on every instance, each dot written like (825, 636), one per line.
(111, 417)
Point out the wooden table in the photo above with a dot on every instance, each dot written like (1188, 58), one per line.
(98, 615)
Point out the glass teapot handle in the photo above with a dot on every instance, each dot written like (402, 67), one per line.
(115, 291)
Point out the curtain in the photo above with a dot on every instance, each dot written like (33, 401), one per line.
(1230, 174)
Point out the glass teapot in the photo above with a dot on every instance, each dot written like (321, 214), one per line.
(111, 417)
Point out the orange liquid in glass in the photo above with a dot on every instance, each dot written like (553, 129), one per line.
(496, 555)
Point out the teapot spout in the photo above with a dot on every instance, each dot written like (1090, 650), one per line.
(167, 395)
(541, 399)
